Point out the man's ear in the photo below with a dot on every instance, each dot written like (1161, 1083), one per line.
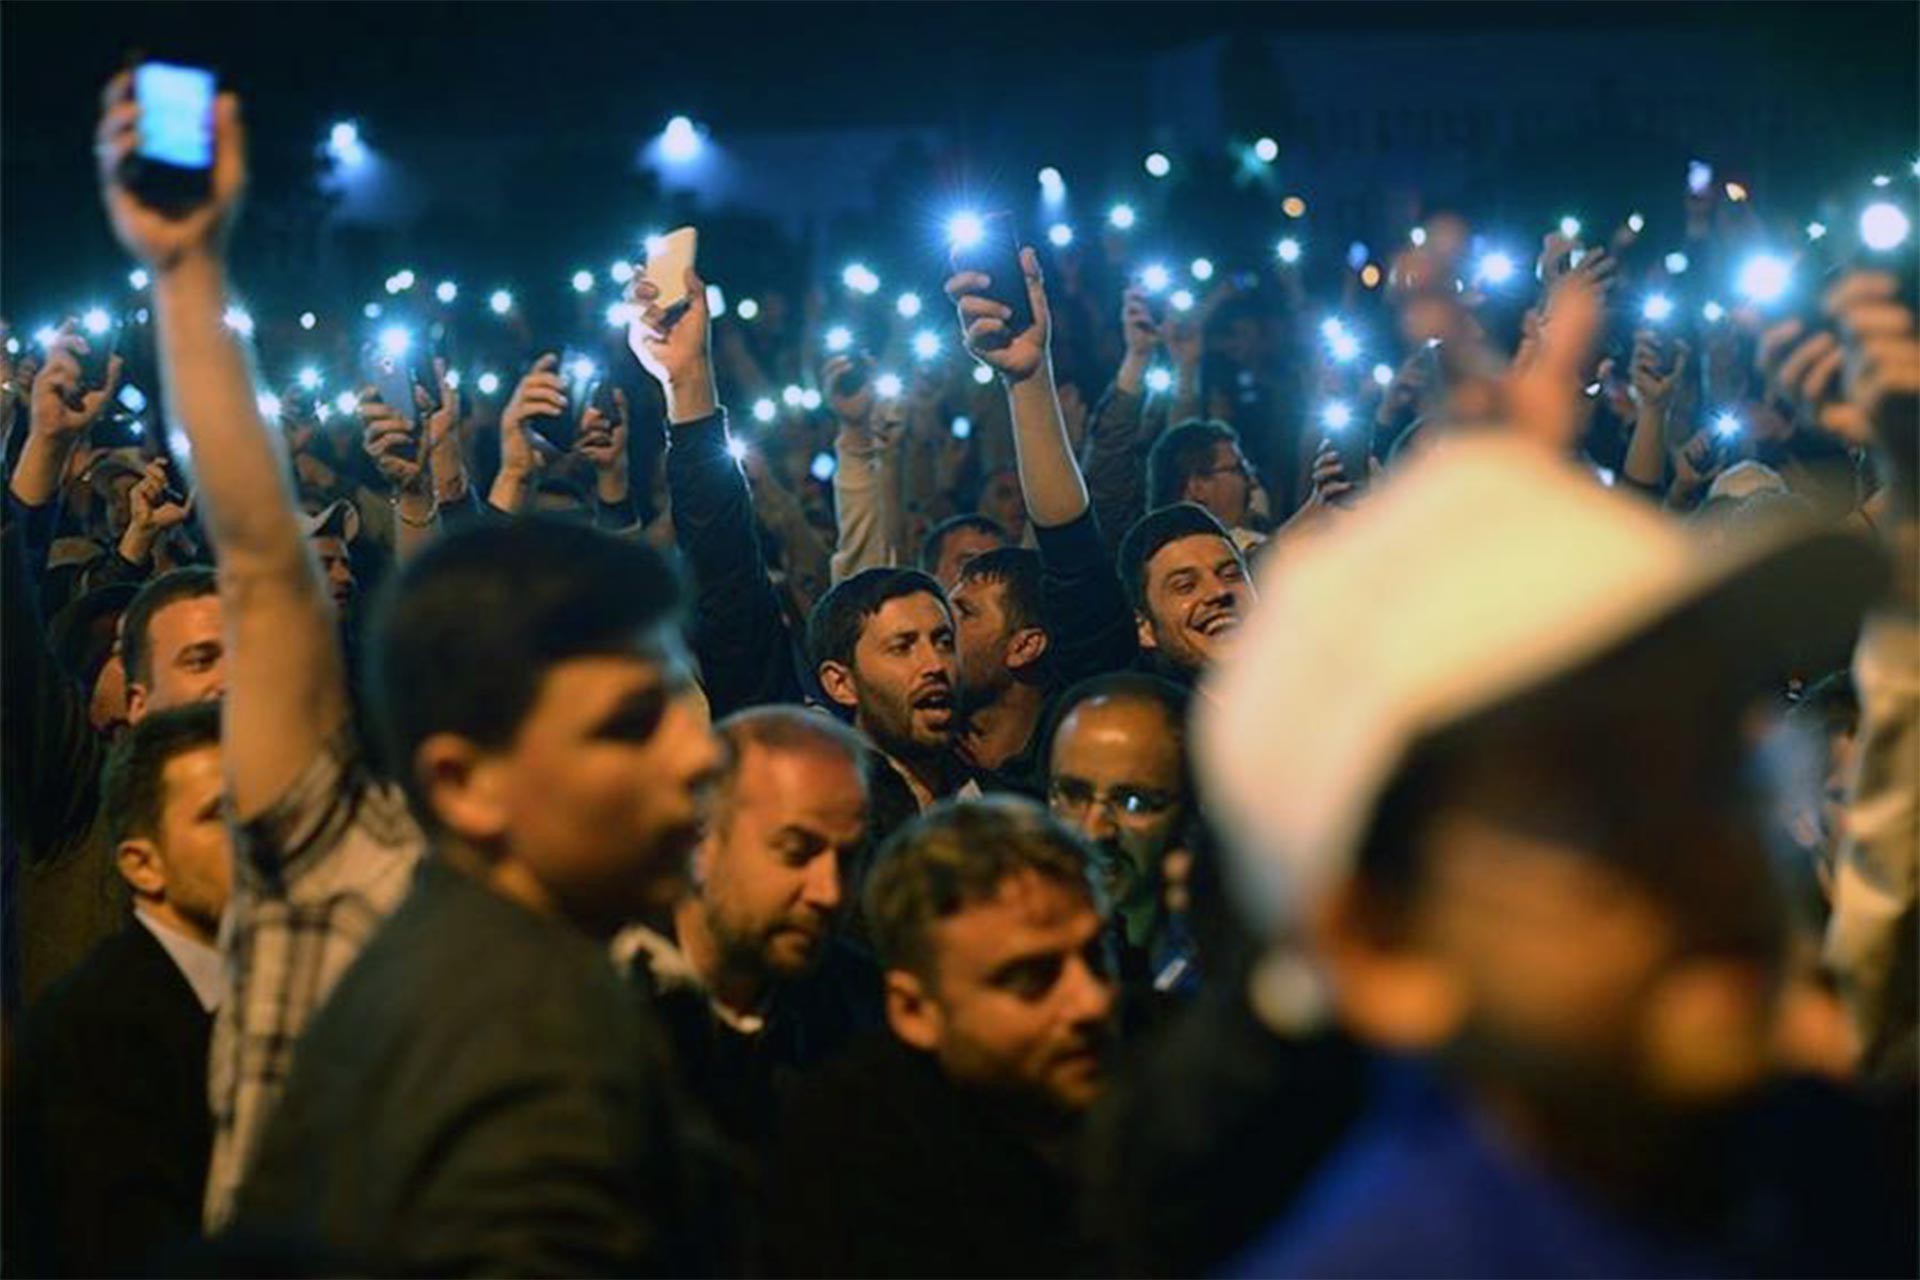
(1145, 628)
(836, 680)
(1028, 646)
(141, 866)
(464, 788)
(911, 1012)
(136, 702)
(1390, 990)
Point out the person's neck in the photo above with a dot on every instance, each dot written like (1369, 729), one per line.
(168, 917)
(926, 772)
(742, 989)
(1001, 729)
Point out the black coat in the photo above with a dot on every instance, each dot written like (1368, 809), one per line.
(108, 1133)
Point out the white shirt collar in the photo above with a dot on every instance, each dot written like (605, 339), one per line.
(672, 970)
(201, 965)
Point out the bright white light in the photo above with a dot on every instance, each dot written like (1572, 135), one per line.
(737, 449)
(1332, 327)
(1266, 150)
(1816, 230)
(1764, 278)
(748, 309)
(1159, 380)
(839, 338)
(1158, 165)
(309, 379)
(858, 278)
(43, 336)
(1052, 185)
(1883, 226)
(1881, 180)
(268, 404)
(716, 301)
(1636, 223)
(1570, 227)
(1181, 299)
(393, 284)
(763, 411)
(1154, 277)
(1059, 235)
(1288, 250)
(405, 277)
(453, 379)
(1336, 416)
(822, 468)
(239, 321)
(139, 278)
(1357, 254)
(965, 229)
(323, 412)
(13, 346)
(888, 385)
(1495, 268)
(679, 141)
(446, 291)
(1657, 308)
(1726, 424)
(581, 369)
(133, 398)
(962, 427)
(651, 244)
(1713, 313)
(1418, 236)
(346, 402)
(926, 344)
(582, 281)
(982, 374)
(1608, 478)
(308, 320)
(908, 305)
(344, 145)
(1202, 269)
(96, 321)
(488, 383)
(621, 271)
(1676, 263)
(1121, 217)
(809, 399)
(1344, 348)
(395, 341)
(619, 314)
(790, 396)
(1383, 375)
(500, 302)
(140, 316)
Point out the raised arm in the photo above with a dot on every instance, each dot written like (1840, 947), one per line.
(286, 691)
(1653, 392)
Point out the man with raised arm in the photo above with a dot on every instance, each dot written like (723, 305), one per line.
(322, 852)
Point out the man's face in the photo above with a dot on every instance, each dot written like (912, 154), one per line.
(195, 850)
(1197, 595)
(957, 549)
(187, 657)
(1023, 1000)
(981, 637)
(903, 676)
(1116, 777)
(604, 789)
(337, 567)
(1001, 502)
(1224, 486)
(770, 875)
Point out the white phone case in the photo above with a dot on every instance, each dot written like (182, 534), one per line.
(668, 264)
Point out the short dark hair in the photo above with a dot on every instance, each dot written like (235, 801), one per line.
(1155, 530)
(935, 543)
(81, 634)
(834, 626)
(131, 795)
(464, 633)
(1017, 570)
(190, 583)
(789, 728)
(1181, 453)
(954, 855)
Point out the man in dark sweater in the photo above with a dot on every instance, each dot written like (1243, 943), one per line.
(945, 1147)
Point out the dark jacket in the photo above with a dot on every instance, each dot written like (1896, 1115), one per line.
(107, 1126)
(1089, 618)
(482, 1093)
(884, 1168)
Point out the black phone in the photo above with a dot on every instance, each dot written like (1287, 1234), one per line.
(172, 169)
(854, 378)
(997, 254)
(94, 363)
(1354, 444)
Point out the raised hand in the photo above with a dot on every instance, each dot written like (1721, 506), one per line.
(983, 322)
(1653, 383)
(856, 409)
(389, 436)
(164, 240)
(150, 513)
(673, 345)
(1137, 324)
(61, 408)
(602, 442)
(540, 393)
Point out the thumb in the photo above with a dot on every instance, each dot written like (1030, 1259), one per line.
(1036, 287)
(229, 148)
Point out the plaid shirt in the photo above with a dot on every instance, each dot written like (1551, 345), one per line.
(314, 876)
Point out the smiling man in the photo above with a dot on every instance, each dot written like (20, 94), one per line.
(1188, 585)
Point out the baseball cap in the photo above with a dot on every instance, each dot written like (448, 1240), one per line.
(1744, 479)
(1484, 571)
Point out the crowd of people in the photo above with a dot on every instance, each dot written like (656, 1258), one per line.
(1143, 789)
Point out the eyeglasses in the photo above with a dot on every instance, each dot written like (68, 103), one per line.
(1071, 797)
(1240, 469)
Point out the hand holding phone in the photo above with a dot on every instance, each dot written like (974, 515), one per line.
(172, 168)
(669, 258)
(996, 255)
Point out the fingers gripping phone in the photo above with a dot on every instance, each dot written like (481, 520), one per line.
(173, 166)
(996, 254)
(668, 260)
(391, 377)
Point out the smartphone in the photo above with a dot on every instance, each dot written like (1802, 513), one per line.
(997, 254)
(119, 429)
(1355, 447)
(173, 166)
(101, 349)
(668, 262)
(392, 379)
(853, 379)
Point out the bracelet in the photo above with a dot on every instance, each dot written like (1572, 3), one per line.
(433, 513)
